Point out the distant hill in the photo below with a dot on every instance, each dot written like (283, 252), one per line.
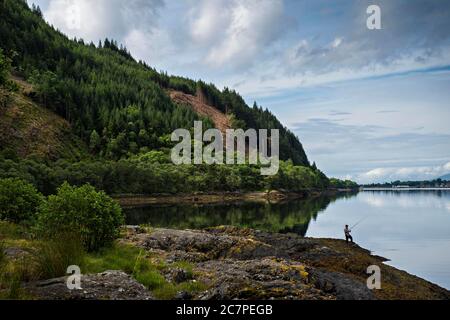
(446, 177)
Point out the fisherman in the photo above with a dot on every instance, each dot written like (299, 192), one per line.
(347, 232)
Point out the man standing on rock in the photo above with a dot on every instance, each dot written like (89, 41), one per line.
(347, 232)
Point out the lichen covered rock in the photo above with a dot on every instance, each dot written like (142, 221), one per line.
(108, 285)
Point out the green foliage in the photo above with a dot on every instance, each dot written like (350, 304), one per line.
(436, 183)
(153, 157)
(297, 178)
(19, 200)
(95, 141)
(152, 173)
(92, 214)
(10, 86)
(343, 184)
(5, 65)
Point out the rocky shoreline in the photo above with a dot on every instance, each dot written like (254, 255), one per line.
(235, 263)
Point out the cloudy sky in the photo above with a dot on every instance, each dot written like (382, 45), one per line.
(370, 105)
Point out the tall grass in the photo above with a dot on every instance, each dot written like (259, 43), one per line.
(2, 253)
(10, 231)
(145, 270)
(12, 274)
(52, 257)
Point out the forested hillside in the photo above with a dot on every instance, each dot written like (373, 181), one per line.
(122, 112)
(115, 104)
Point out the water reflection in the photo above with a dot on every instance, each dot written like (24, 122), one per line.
(438, 199)
(292, 216)
(409, 227)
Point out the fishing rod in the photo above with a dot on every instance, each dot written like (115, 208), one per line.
(358, 222)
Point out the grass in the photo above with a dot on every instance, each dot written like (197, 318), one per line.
(2, 253)
(48, 259)
(12, 273)
(145, 269)
(11, 231)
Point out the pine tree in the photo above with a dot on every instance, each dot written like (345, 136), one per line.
(95, 141)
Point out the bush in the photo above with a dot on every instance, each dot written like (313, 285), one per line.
(19, 200)
(92, 214)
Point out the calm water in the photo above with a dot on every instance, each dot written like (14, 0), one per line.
(411, 228)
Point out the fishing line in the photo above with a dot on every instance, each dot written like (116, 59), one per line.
(358, 222)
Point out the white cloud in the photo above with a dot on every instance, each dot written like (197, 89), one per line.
(250, 26)
(336, 42)
(99, 19)
(404, 173)
(208, 20)
(375, 201)
(146, 46)
(261, 40)
(305, 65)
(447, 167)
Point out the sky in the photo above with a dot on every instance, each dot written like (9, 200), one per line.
(368, 105)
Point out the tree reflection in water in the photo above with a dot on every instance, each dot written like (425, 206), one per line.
(285, 217)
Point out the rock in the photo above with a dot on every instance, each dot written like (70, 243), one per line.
(134, 230)
(108, 285)
(256, 279)
(183, 295)
(15, 253)
(340, 285)
(202, 246)
(240, 263)
(178, 275)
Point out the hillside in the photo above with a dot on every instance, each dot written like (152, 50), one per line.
(86, 113)
(116, 105)
(445, 177)
(27, 129)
